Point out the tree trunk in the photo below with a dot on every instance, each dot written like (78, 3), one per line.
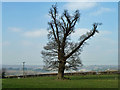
(61, 70)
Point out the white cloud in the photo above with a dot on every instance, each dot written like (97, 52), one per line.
(101, 11)
(14, 29)
(5, 43)
(26, 43)
(105, 32)
(80, 31)
(101, 49)
(80, 5)
(35, 33)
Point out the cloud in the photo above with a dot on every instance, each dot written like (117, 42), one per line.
(14, 29)
(105, 32)
(5, 43)
(102, 43)
(101, 11)
(80, 5)
(101, 49)
(80, 31)
(35, 33)
(26, 43)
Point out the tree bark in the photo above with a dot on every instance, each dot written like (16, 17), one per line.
(61, 70)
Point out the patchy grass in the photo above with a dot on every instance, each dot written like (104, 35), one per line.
(85, 81)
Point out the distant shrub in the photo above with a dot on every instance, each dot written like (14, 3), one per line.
(3, 72)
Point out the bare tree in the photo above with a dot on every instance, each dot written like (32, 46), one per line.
(61, 49)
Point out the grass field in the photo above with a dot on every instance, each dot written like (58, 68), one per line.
(87, 81)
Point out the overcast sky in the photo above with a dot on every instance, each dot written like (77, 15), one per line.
(24, 31)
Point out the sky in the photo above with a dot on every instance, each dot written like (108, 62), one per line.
(24, 31)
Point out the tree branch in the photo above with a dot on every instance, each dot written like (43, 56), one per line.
(53, 31)
(64, 25)
(53, 13)
(82, 42)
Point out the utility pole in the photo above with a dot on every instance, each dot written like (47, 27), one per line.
(23, 69)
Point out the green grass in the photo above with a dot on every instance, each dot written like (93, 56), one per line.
(87, 81)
